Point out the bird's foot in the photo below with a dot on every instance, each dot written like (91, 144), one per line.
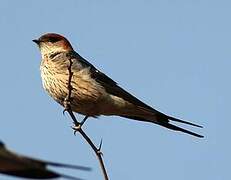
(67, 103)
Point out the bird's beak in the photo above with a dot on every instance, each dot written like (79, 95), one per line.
(36, 41)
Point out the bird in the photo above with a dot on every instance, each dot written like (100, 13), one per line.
(93, 93)
(14, 164)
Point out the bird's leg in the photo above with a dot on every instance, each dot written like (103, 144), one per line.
(66, 104)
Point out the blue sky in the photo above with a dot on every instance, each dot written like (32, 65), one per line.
(173, 55)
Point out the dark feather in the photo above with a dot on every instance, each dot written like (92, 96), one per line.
(32, 173)
(22, 166)
(112, 87)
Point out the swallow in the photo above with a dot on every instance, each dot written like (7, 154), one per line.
(17, 165)
(93, 93)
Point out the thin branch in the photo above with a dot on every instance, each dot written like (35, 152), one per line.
(78, 125)
(97, 151)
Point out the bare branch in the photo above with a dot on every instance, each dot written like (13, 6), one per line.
(78, 125)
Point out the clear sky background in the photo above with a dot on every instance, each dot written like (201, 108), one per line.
(174, 55)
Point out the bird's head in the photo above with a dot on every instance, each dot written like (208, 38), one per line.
(52, 43)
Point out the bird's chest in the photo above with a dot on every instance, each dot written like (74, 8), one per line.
(86, 93)
(54, 81)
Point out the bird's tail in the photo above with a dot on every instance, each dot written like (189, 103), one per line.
(168, 125)
(143, 114)
(70, 166)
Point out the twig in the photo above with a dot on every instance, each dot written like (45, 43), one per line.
(78, 125)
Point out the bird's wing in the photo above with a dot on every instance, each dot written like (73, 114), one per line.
(13, 164)
(21, 166)
(110, 85)
(113, 88)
